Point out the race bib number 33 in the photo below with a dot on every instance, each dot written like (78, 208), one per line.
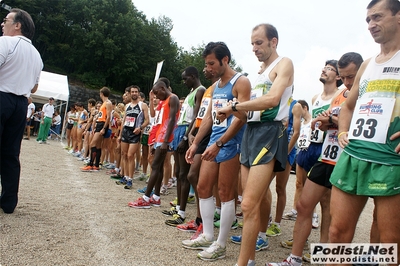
(371, 119)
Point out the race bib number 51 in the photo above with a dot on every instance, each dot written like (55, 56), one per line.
(371, 119)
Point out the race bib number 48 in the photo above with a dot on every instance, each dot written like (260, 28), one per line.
(331, 149)
(371, 119)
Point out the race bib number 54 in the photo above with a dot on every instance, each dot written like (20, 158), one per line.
(371, 119)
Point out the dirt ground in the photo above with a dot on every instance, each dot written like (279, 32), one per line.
(68, 217)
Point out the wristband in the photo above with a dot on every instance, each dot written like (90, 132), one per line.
(341, 133)
(234, 106)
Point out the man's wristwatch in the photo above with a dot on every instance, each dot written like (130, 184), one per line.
(330, 119)
(219, 144)
(234, 106)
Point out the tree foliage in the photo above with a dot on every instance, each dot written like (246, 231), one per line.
(107, 43)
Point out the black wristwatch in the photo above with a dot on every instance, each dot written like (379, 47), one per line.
(219, 144)
(234, 106)
(330, 119)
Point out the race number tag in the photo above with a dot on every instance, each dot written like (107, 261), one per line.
(218, 103)
(304, 139)
(203, 107)
(255, 116)
(147, 129)
(371, 119)
(182, 113)
(317, 136)
(331, 149)
(129, 121)
(159, 117)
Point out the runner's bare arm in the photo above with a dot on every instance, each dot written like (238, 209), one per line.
(297, 114)
(283, 79)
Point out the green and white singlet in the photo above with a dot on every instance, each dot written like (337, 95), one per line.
(262, 86)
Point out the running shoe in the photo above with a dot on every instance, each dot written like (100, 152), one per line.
(274, 230)
(306, 257)
(261, 244)
(128, 184)
(110, 166)
(142, 177)
(140, 203)
(290, 216)
(214, 252)
(116, 176)
(191, 200)
(174, 202)
(239, 215)
(170, 185)
(234, 226)
(199, 231)
(142, 190)
(170, 212)
(287, 262)
(87, 168)
(315, 222)
(190, 226)
(164, 190)
(176, 220)
(198, 243)
(289, 244)
(112, 172)
(236, 239)
(122, 181)
(217, 216)
(95, 169)
(155, 203)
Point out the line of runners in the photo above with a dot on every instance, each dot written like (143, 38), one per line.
(237, 127)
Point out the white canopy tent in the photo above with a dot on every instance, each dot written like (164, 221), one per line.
(56, 86)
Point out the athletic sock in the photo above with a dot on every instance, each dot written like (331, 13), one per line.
(227, 217)
(207, 207)
(177, 207)
(262, 235)
(155, 197)
(98, 156)
(92, 155)
(147, 199)
(294, 260)
(182, 214)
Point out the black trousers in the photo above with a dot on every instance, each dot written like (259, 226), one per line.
(13, 111)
